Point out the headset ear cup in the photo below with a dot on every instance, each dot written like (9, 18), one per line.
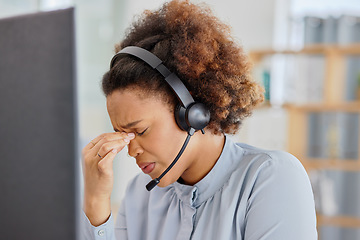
(180, 113)
(197, 116)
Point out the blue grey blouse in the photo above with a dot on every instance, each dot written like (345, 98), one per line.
(249, 194)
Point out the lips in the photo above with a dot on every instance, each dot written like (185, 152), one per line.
(147, 167)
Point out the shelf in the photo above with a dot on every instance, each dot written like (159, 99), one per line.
(351, 49)
(317, 107)
(333, 164)
(264, 105)
(340, 221)
(333, 101)
(326, 107)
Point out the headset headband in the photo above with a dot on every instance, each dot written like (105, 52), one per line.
(153, 61)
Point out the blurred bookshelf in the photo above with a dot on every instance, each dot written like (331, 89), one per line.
(323, 125)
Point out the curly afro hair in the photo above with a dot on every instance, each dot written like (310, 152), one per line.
(195, 45)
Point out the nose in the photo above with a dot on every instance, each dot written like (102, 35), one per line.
(134, 148)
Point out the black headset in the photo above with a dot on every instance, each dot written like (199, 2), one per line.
(190, 116)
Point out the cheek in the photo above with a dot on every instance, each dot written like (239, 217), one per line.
(165, 141)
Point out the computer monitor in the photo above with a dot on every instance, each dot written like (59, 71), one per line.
(38, 133)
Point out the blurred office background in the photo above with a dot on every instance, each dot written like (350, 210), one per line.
(314, 118)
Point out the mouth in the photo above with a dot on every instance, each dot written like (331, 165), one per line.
(147, 167)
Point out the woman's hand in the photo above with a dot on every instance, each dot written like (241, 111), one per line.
(98, 157)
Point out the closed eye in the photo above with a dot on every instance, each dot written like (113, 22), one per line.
(142, 133)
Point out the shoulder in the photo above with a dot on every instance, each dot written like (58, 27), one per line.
(279, 195)
(275, 160)
(277, 172)
(269, 155)
(255, 167)
(271, 190)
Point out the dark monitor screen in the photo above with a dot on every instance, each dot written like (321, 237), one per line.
(38, 126)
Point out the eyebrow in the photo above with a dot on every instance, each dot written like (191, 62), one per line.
(129, 125)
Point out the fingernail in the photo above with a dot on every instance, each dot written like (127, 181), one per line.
(131, 135)
(114, 150)
(126, 140)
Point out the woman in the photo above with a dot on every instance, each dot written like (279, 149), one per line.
(215, 189)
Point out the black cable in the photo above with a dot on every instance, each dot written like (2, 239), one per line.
(155, 181)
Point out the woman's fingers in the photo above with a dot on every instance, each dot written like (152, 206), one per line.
(105, 164)
(111, 147)
(110, 142)
(98, 156)
(94, 145)
(93, 142)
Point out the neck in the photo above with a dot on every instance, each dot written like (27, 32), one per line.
(207, 149)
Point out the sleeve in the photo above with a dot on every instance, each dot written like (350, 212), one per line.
(102, 232)
(281, 203)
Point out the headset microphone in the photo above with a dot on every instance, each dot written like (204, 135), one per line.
(155, 181)
(190, 116)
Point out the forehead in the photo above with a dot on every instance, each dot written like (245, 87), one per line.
(127, 106)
